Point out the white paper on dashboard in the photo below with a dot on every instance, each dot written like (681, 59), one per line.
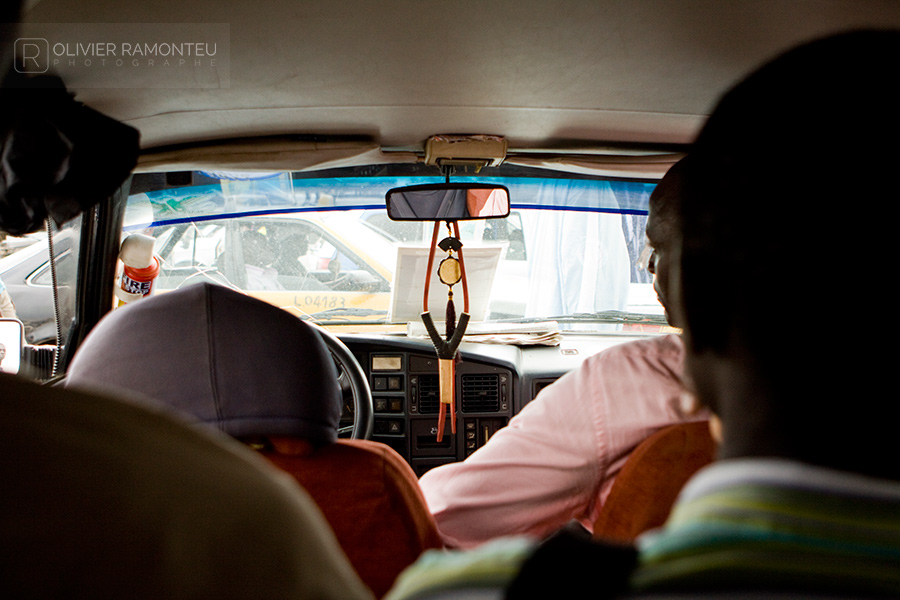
(541, 333)
(408, 286)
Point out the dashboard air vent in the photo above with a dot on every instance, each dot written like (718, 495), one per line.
(480, 393)
(429, 394)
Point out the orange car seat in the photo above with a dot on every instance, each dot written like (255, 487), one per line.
(245, 367)
(642, 495)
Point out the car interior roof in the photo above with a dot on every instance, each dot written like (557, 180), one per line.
(567, 77)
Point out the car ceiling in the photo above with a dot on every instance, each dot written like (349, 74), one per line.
(577, 75)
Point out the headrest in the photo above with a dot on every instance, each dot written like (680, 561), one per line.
(221, 357)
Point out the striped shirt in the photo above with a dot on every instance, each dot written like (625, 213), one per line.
(777, 524)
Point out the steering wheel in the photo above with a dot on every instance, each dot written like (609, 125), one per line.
(351, 378)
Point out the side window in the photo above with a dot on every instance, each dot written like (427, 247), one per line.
(43, 277)
(298, 255)
(189, 251)
(507, 230)
(322, 252)
(198, 246)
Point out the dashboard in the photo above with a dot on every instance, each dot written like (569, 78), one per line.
(493, 383)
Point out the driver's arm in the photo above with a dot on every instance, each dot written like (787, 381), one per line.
(557, 459)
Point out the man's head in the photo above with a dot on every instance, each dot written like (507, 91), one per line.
(664, 234)
(780, 260)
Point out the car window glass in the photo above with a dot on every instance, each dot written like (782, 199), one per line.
(44, 276)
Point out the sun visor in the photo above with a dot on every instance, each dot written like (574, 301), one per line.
(270, 155)
(646, 166)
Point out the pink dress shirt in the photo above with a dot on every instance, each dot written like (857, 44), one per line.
(557, 459)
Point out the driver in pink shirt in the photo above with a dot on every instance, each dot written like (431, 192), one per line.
(556, 461)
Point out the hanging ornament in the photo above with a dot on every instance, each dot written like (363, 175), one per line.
(451, 271)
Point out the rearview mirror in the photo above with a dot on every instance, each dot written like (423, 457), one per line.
(11, 342)
(448, 202)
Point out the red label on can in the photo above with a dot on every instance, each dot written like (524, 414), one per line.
(134, 286)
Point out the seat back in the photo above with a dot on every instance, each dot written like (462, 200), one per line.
(254, 371)
(371, 497)
(645, 489)
(220, 358)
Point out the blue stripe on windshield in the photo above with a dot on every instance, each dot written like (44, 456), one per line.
(280, 194)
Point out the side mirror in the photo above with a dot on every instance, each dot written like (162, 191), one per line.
(12, 338)
(448, 202)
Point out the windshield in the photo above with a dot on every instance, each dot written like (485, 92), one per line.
(321, 244)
